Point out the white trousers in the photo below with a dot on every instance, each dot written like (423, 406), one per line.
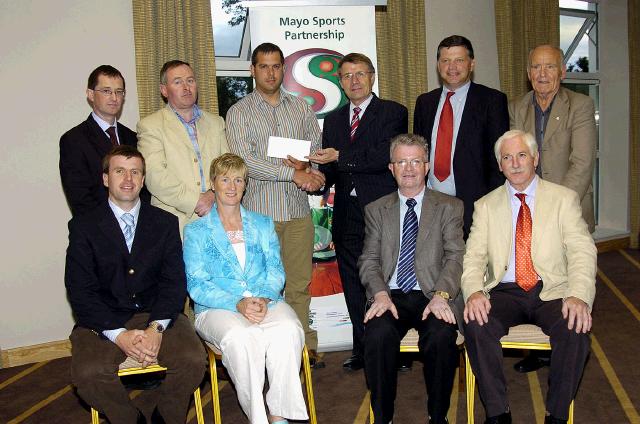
(248, 349)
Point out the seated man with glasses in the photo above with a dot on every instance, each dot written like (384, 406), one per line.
(83, 147)
(410, 267)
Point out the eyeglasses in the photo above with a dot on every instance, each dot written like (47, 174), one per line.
(358, 75)
(405, 162)
(108, 92)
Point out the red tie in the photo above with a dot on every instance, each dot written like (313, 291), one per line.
(112, 135)
(526, 275)
(355, 121)
(442, 166)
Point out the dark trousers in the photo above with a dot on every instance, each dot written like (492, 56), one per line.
(348, 244)
(94, 367)
(438, 351)
(510, 306)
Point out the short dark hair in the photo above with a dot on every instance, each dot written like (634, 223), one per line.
(356, 58)
(168, 66)
(455, 41)
(126, 151)
(266, 48)
(107, 70)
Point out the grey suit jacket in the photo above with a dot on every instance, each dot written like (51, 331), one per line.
(439, 247)
(569, 145)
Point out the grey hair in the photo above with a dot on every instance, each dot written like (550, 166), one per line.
(408, 140)
(528, 139)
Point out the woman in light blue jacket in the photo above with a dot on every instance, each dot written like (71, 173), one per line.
(235, 278)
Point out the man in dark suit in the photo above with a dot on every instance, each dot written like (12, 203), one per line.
(411, 266)
(83, 147)
(126, 284)
(461, 121)
(355, 157)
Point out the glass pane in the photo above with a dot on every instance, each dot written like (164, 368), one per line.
(229, 23)
(584, 57)
(230, 90)
(574, 4)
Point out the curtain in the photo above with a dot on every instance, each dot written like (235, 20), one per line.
(521, 26)
(634, 111)
(173, 29)
(402, 52)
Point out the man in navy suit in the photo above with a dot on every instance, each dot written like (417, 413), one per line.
(83, 147)
(461, 121)
(355, 157)
(126, 284)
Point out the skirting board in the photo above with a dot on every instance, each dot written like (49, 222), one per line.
(35, 353)
(613, 244)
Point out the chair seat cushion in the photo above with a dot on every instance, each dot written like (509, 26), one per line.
(525, 333)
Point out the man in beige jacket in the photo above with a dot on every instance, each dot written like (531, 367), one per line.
(179, 142)
(529, 259)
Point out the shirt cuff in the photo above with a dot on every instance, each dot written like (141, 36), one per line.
(113, 334)
(165, 322)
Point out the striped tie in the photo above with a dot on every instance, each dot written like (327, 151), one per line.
(127, 218)
(406, 272)
(355, 121)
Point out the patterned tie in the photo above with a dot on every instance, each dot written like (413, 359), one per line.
(112, 135)
(442, 167)
(355, 121)
(127, 218)
(526, 275)
(407, 279)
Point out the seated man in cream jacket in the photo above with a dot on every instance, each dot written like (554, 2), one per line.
(530, 259)
(179, 142)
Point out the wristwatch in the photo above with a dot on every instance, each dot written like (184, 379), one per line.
(443, 294)
(155, 325)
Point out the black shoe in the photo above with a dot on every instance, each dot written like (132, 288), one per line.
(156, 418)
(404, 363)
(444, 421)
(550, 419)
(499, 419)
(141, 419)
(354, 363)
(314, 360)
(532, 362)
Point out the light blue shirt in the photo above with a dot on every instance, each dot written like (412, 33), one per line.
(192, 131)
(118, 212)
(458, 100)
(393, 282)
(530, 191)
(104, 125)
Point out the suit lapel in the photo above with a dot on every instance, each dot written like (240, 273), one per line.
(97, 137)
(427, 217)
(558, 114)
(144, 228)
(502, 213)
(369, 116)
(175, 126)
(221, 241)
(540, 216)
(432, 109)
(391, 229)
(468, 115)
(109, 226)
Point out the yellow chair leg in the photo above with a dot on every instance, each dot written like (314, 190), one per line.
(471, 388)
(371, 418)
(95, 419)
(198, 405)
(308, 383)
(215, 394)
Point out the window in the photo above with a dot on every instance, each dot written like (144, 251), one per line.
(579, 41)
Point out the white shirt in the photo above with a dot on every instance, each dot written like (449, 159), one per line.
(458, 100)
(530, 191)
(393, 282)
(105, 125)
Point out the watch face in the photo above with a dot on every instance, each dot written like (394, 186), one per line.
(159, 328)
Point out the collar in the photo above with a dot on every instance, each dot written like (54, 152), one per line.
(118, 212)
(462, 91)
(102, 123)
(530, 191)
(197, 113)
(418, 197)
(363, 106)
(257, 97)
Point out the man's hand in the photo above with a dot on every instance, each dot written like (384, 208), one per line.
(575, 311)
(129, 342)
(324, 156)
(440, 308)
(477, 308)
(309, 179)
(253, 309)
(205, 202)
(292, 162)
(151, 343)
(381, 304)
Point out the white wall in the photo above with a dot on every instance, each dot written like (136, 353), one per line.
(470, 18)
(47, 51)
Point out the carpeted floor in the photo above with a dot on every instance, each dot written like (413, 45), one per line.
(609, 393)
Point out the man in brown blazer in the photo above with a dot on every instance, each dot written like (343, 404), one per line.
(564, 126)
(411, 266)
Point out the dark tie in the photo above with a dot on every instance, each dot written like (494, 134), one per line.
(526, 275)
(355, 121)
(112, 135)
(442, 166)
(406, 272)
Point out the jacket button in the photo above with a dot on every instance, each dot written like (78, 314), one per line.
(505, 267)
(134, 296)
(195, 160)
(198, 183)
(131, 271)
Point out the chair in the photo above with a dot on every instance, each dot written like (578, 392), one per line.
(215, 354)
(132, 367)
(409, 344)
(524, 336)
